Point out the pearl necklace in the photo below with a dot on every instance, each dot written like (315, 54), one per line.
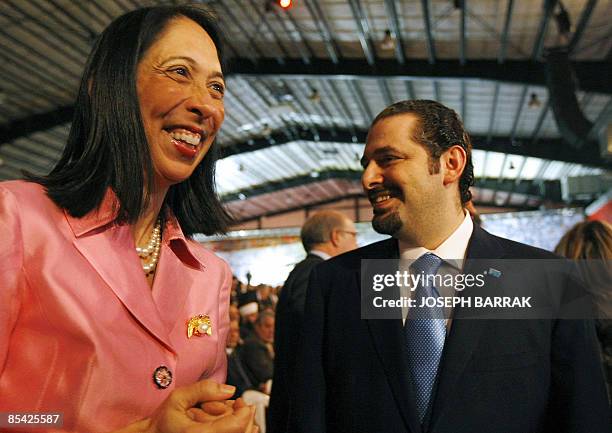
(149, 255)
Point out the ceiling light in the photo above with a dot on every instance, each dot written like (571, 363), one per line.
(314, 95)
(564, 24)
(332, 151)
(534, 101)
(285, 4)
(388, 42)
(266, 131)
(287, 98)
(282, 93)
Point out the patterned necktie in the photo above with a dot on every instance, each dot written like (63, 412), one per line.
(424, 331)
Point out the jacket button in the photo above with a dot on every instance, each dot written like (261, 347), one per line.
(162, 377)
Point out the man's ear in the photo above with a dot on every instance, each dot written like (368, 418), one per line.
(452, 164)
(334, 237)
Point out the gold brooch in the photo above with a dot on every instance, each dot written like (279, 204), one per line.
(199, 325)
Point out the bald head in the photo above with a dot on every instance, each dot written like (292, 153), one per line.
(329, 231)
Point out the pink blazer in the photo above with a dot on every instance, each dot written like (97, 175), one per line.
(81, 332)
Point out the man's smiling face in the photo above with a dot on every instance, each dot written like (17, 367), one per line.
(397, 177)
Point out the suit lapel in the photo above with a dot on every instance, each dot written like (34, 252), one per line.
(389, 342)
(171, 288)
(465, 333)
(104, 250)
(388, 338)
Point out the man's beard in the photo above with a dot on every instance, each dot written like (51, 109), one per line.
(388, 223)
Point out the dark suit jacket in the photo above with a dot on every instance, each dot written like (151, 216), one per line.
(498, 376)
(257, 361)
(237, 374)
(287, 335)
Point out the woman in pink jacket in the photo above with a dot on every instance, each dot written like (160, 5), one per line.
(110, 313)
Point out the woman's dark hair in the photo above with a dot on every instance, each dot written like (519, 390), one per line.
(107, 145)
(439, 129)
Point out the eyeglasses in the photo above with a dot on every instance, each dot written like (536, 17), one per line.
(349, 232)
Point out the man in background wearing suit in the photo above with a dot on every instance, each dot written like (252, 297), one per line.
(410, 374)
(324, 235)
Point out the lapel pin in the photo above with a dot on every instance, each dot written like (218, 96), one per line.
(199, 325)
(494, 273)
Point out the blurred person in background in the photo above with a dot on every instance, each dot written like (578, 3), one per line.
(233, 337)
(248, 306)
(265, 297)
(257, 355)
(234, 313)
(236, 289)
(324, 235)
(100, 279)
(257, 352)
(250, 366)
(592, 240)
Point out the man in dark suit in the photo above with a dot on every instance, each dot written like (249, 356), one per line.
(437, 374)
(324, 235)
(257, 353)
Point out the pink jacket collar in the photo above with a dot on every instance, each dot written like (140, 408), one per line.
(102, 218)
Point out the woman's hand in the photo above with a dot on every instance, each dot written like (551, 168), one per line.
(180, 413)
(209, 411)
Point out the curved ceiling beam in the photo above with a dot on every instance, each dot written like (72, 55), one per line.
(545, 148)
(293, 182)
(527, 187)
(593, 76)
(310, 205)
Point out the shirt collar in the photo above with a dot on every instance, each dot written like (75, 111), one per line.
(319, 253)
(103, 217)
(452, 250)
(185, 249)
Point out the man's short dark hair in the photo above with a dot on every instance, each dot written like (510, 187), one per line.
(439, 128)
(317, 229)
(262, 316)
(107, 145)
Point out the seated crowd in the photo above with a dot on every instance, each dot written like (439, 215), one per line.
(250, 344)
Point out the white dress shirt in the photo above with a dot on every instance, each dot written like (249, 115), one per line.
(321, 254)
(451, 251)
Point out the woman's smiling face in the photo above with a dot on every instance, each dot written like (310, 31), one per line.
(180, 91)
